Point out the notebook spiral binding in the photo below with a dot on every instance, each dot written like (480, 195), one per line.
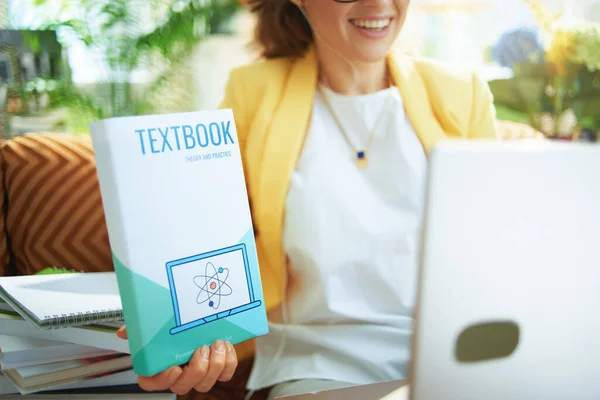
(87, 318)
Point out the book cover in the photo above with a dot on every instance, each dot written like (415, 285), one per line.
(181, 233)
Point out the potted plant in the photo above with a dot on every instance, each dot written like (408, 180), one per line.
(160, 41)
(555, 85)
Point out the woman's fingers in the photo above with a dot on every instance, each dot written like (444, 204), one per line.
(231, 363)
(161, 381)
(218, 357)
(122, 332)
(207, 366)
(194, 372)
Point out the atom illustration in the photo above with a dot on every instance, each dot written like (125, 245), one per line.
(213, 285)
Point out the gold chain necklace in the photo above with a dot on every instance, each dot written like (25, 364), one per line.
(361, 155)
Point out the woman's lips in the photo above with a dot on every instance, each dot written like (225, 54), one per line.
(374, 28)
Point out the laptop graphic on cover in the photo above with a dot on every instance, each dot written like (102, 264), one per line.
(210, 286)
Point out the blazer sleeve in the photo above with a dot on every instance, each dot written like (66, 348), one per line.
(233, 99)
(482, 124)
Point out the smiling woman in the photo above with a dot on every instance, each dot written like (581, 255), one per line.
(341, 30)
(335, 127)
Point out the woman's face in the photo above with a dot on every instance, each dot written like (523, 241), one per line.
(363, 30)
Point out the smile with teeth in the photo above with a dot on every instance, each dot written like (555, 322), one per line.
(371, 24)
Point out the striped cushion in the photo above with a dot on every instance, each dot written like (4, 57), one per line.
(55, 214)
(4, 257)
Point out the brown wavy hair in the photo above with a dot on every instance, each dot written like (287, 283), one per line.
(281, 30)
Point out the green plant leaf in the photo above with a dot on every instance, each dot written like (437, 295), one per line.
(523, 94)
(504, 113)
(113, 27)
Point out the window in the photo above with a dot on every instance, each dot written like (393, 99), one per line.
(462, 31)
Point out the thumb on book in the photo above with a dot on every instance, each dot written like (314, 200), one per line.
(122, 332)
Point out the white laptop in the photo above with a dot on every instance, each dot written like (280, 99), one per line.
(509, 298)
(509, 303)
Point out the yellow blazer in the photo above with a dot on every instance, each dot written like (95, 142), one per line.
(272, 104)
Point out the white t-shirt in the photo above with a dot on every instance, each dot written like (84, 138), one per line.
(352, 237)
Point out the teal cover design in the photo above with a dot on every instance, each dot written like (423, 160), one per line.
(157, 343)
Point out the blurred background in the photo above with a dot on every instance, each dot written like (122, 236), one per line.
(65, 63)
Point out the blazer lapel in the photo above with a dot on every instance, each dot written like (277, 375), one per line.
(283, 144)
(416, 100)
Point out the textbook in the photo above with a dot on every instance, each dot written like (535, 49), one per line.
(39, 377)
(100, 336)
(180, 232)
(21, 351)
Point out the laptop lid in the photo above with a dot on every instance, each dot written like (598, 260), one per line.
(509, 293)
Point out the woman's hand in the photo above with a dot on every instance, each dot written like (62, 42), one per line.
(207, 366)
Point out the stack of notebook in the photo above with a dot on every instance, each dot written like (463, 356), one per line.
(58, 332)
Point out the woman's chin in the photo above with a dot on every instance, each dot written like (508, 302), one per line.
(371, 51)
(370, 56)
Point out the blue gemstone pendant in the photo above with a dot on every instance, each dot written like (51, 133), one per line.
(361, 159)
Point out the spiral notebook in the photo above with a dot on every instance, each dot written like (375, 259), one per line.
(63, 300)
